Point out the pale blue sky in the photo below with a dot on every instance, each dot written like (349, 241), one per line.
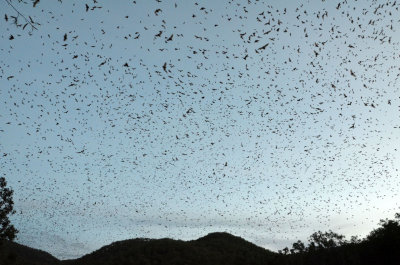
(262, 147)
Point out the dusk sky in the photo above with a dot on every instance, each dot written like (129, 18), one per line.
(269, 120)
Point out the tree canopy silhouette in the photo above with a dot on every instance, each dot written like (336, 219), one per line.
(7, 230)
(324, 248)
(381, 246)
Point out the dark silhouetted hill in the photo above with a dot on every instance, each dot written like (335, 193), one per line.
(215, 248)
(380, 247)
(12, 253)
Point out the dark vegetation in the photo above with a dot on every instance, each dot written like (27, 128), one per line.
(381, 246)
(215, 248)
(7, 230)
(12, 253)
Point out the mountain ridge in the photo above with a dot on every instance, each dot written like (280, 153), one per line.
(15, 253)
(381, 246)
(213, 248)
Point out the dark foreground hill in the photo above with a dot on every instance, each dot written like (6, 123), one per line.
(380, 247)
(215, 248)
(17, 254)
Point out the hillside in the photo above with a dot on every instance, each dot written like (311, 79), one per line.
(381, 246)
(17, 254)
(215, 248)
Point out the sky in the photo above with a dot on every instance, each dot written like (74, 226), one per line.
(269, 120)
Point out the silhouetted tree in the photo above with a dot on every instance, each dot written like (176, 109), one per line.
(382, 244)
(319, 240)
(298, 247)
(284, 251)
(354, 240)
(388, 229)
(7, 230)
